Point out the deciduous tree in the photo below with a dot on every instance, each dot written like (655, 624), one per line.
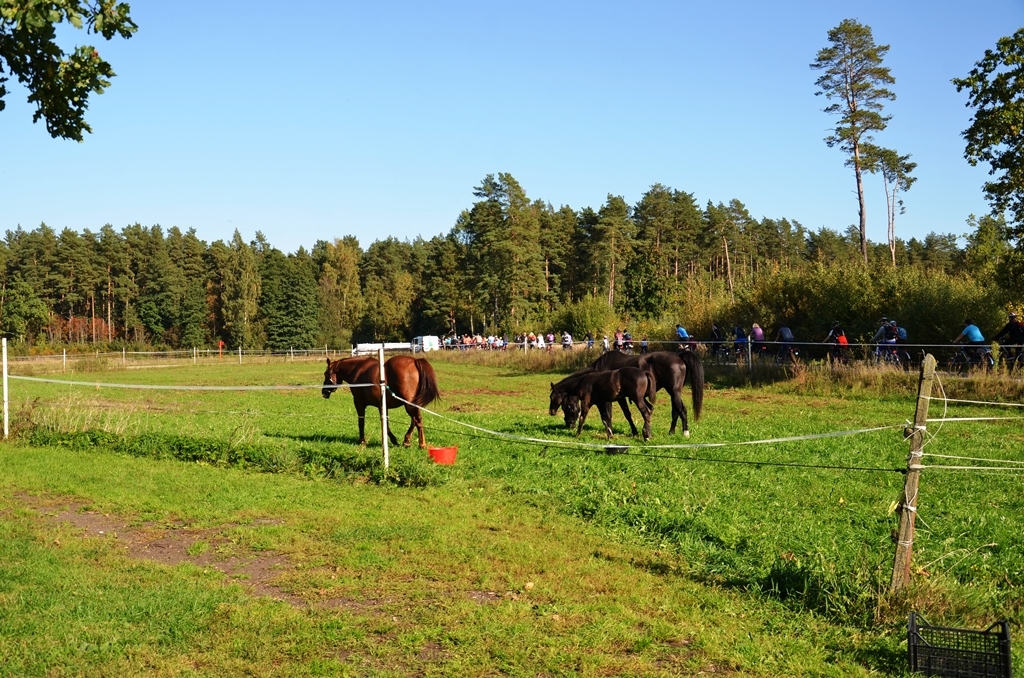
(995, 88)
(896, 172)
(59, 83)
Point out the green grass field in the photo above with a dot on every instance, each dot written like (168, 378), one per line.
(298, 555)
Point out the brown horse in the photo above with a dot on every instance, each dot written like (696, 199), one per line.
(409, 378)
(578, 392)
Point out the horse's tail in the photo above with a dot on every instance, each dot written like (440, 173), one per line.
(652, 387)
(695, 373)
(427, 390)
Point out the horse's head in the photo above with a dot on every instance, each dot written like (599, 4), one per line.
(557, 396)
(330, 380)
(571, 410)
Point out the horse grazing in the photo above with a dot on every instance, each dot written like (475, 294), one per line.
(576, 394)
(409, 378)
(670, 370)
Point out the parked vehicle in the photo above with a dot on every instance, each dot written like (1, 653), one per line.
(425, 343)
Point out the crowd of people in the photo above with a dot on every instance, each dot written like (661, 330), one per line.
(889, 340)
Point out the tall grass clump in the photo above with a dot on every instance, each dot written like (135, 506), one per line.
(245, 453)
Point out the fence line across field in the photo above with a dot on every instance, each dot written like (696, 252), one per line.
(157, 387)
(951, 456)
(693, 446)
(66, 382)
(532, 440)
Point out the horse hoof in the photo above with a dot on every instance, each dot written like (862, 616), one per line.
(686, 433)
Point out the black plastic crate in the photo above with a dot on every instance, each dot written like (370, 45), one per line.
(958, 653)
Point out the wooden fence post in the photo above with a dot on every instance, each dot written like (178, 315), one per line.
(907, 507)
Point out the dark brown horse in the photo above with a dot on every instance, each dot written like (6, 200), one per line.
(670, 370)
(409, 378)
(578, 392)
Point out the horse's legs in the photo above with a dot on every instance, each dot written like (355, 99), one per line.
(645, 412)
(606, 417)
(391, 436)
(415, 421)
(584, 410)
(624, 404)
(361, 415)
(678, 411)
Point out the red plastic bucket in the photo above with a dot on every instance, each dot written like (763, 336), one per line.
(443, 455)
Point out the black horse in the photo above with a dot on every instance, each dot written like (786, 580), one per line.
(670, 371)
(577, 393)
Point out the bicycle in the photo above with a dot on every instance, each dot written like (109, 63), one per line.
(891, 354)
(963, 361)
(1011, 357)
(787, 355)
(761, 352)
(718, 353)
(839, 354)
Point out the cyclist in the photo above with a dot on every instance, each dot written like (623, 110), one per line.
(786, 338)
(685, 343)
(1013, 330)
(716, 339)
(566, 341)
(757, 336)
(739, 344)
(885, 338)
(840, 344)
(972, 336)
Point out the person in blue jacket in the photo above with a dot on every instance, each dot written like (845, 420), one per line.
(970, 335)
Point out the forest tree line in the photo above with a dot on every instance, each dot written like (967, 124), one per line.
(509, 265)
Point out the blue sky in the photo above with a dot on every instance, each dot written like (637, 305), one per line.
(311, 120)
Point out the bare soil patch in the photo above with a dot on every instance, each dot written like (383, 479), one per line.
(174, 544)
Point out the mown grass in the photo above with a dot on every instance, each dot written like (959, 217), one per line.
(788, 545)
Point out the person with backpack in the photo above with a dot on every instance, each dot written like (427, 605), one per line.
(901, 338)
(839, 351)
(884, 338)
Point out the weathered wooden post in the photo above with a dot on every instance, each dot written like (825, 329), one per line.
(907, 507)
(383, 405)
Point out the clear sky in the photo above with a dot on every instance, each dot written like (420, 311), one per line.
(316, 120)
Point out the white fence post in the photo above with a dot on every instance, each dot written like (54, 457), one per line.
(239, 355)
(7, 426)
(65, 360)
(383, 405)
